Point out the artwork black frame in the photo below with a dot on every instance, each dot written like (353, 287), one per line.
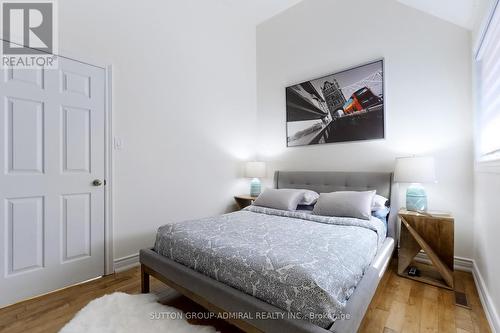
(345, 106)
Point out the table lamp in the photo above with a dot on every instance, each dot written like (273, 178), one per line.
(415, 170)
(255, 170)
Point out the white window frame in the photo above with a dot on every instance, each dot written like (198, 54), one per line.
(492, 158)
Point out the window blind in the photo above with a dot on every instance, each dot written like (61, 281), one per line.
(488, 80)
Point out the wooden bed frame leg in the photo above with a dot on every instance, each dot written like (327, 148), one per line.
(144, 280)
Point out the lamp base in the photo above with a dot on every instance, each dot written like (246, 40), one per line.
(255, 187)
(416, 198)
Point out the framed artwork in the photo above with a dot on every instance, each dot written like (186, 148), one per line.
(344, 106)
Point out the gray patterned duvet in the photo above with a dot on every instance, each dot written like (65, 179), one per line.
(305, 264)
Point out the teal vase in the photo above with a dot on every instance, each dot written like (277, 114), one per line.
(416, 198)
(255, 187)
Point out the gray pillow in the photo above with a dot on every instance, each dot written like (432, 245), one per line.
(308, 197)
(284, 199)
(345, 204)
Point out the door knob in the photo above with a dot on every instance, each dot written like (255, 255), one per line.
(97, 182)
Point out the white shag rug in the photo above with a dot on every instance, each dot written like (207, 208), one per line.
(123, 313)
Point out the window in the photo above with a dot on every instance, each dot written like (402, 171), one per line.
(488, 92)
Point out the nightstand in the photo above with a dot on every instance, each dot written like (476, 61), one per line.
(433, 233)
(244, 200)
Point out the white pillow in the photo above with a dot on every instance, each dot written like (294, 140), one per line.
(379, 202)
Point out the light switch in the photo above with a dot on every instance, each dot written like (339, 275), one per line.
(117, 143)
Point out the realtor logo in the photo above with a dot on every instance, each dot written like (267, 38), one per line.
(28, 32)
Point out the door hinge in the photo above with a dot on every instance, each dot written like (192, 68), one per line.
(105, 182)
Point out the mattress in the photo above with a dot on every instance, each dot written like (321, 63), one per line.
(305, 264)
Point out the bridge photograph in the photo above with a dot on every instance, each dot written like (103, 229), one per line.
(344, 106)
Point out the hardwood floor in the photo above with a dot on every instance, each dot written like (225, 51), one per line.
(399, 305)
(404, 305)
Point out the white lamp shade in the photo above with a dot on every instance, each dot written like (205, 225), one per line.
(255, 170)
(415, 170)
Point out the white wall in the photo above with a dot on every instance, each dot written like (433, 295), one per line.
(186, 125)
(184, 105)
(487, 215)
(428, 92)
(486, 233)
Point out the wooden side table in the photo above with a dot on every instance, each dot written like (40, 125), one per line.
(433, 233)
(244, 200)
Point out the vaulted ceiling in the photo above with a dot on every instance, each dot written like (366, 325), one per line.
(464, 13)
(260, 10)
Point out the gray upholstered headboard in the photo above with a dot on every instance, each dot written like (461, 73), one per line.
(330, 181)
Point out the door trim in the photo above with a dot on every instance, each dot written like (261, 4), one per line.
(108, 173)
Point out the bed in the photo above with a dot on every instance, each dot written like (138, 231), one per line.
(215, 261)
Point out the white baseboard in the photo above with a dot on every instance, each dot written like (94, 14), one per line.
(128, 262)
(460, 264)
(486, 301)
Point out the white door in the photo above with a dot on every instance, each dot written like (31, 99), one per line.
(52, 145)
